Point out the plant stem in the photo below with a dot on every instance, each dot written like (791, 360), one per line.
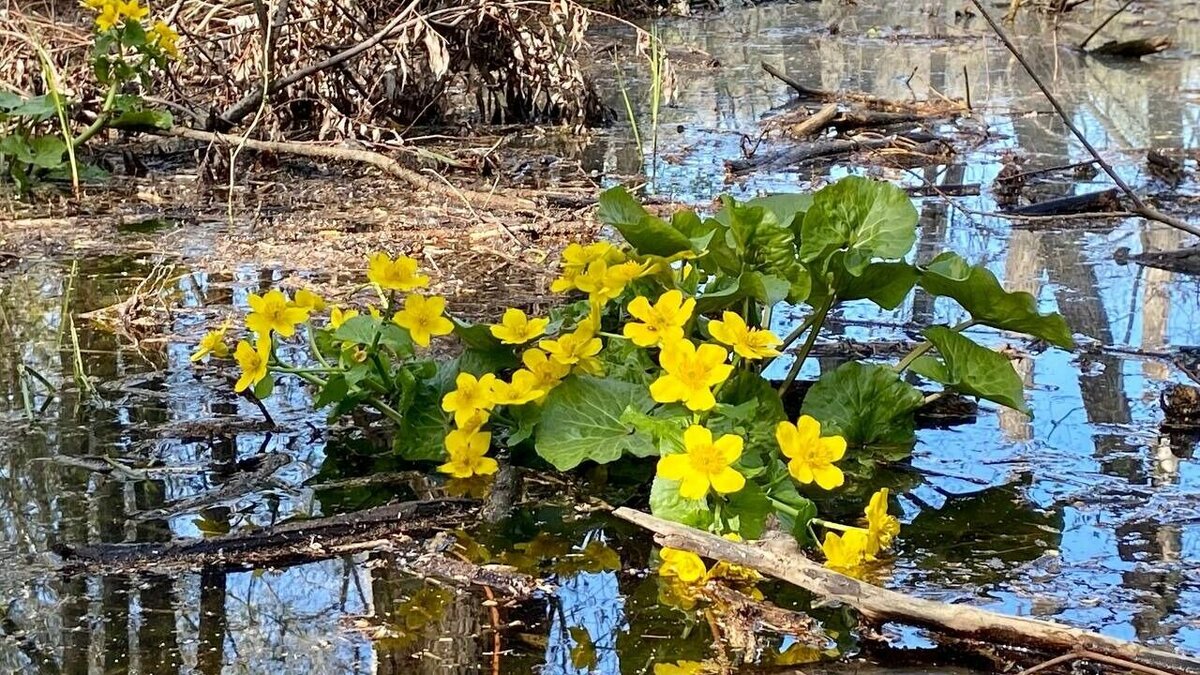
(795, 334)
(786, 508)
(925, 346)
(818, 320)
(388, 411)
(101, 120)
(312, 345)
(834, 526)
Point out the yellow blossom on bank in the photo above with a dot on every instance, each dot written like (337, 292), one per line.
(132, 9)
(661, 322)
(166, 39)
(524, 387)
(467, 450)
(749, 343)
(548, 371)
(423, 318)
(704, 463)
(108, 18)
(516, 329)
(309, 301)
(394, 275)
(473, 421)
(470, 395)
(683, 565)
(881, 527)
(253, 362)
(847, 552)
(338, 316)
(811, 456)
(576, 258)
(212, 343)
(577, 349)
(273, 312)
(691, 373)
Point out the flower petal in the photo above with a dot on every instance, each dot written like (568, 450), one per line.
(673, 467)
(694, 486)
(727, 480)
(668, 389)
(730, 447)
(828, 476)
(697, 436)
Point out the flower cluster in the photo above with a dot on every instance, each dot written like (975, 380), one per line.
(859, 546)
(683, 575)
(112, 14)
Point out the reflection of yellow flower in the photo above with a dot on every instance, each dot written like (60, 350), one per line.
(338, 316)
(683, 565)
(516, 329)
(681, 668)
(467, 450)
(394, 275)
(253, 362)
(470, 395)
(523, 388)
(578, 349)
(799, 654)
(846, 553)
(213, 343)
(273, 312)
(307, 300)
(746, 342)
(704, 463)
(881, 528)
(663, 322)
(422, 318)
(811, 456)
(691, 373)
(166, 39)
(548, 371)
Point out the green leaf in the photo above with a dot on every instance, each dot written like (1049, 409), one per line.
(865, 403)
(979, 292)
(264, 388)
(667, 431)
(395, 338)
(422, 435)
(793, 509)
(359, 330)
(721, 293)
(581, 421)
(974, 370)
(666, 502)
(645, 232)
(886, 284)
(747, 511)
(868, 219)
(335, 389)
(143, 120)
(9, 100)
(133, 35)
(788, 208)
(37, 108)
(766, 245)
(476, 335)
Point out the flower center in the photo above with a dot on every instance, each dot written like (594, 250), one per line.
(706, 459)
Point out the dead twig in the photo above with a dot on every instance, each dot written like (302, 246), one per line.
(1122, 8)
(1139, 207)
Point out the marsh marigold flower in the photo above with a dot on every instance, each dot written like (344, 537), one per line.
(253, 362)
(704, 463)
(846, 552)
(881, 527)
(132, 9)
(682, 565)
(395, 275)
(467, 450)
(422, 318)
(577, 349)
(212, 343)
(307, 300)
(811, 456)
(338, 316)
(661, 322)
(273, 312)
(524, 387)
(470, 395)
(108, 18)
(516, 329)
(748, 343)
(575, 261)
(166, 39)
(549, 372)
(691, 373)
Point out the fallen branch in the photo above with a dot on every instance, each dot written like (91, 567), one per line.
(1115, 14)
(1139, 207)
(814, 123)
(415, 179)
(1133, 49)
(841, 146)
(1089, 202)
(877, 102)
(880, 605)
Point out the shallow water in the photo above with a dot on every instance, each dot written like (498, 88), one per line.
(1089, 513)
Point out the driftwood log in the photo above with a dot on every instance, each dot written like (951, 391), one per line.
(1090, 202)
(880, 605)
(801, 153)
(1133, 49)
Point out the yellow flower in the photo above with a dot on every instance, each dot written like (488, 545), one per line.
(273, 312)
(578, 349)
(683, 565)
(740, 577)
(811, 456)
(108, 17)
(548, 371)
(395, 275)
(132, 9)
(95, 4)
(525, 387)
(309, 301)
(704, 463)
(881, 528)
(253, 362)
(422, 318)
(338, 316)
(516, 329)
(467, 450)
(691, 373)
(469, 396)
(577, 258)
(213, 343)
(846, 553)
(166, 39)
(682, 668)
(746, 342)
(473, 421)
(663, 322)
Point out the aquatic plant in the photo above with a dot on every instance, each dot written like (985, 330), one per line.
(661, 354)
